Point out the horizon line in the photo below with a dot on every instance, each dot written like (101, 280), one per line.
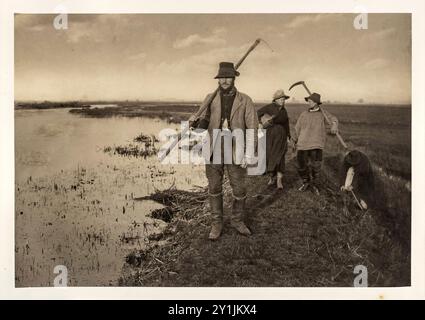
(198, 101)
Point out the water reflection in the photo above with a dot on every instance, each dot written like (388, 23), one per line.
(74, 203)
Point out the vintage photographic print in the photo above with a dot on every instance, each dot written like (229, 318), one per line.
(213, 150)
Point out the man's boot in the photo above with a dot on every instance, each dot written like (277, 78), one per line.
(216, 207)
(304, 186)
(279, 180)
(272, 180)
(305, 176)
(238, 211)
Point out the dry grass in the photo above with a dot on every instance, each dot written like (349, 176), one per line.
(299, 239)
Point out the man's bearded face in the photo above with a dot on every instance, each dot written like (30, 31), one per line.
(226, 83)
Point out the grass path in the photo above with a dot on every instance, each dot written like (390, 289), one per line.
(299, 239)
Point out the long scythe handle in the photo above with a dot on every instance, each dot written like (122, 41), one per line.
(206, 105)
(337, 133)
(357, 200)
(306, 89)
(237, 65)
(247, 53)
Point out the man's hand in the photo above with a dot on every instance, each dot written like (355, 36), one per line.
(293, 145)
(363, 204)
(243, 164)
(268, 123)
(192, 121)
(334, 130)
(349, 188)
(248, 162)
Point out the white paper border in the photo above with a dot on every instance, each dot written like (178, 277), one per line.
(7, 255)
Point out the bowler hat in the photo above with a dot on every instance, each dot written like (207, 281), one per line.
(226, 70)
(315, 97)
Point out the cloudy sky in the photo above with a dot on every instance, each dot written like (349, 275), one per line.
(176, 56)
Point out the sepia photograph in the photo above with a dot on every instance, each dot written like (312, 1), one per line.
(212, 149)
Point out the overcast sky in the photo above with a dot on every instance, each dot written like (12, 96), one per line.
(176, 56)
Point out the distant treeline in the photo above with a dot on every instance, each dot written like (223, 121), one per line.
(87, 104)
(50, 105)
(170, 105)
(169, 112)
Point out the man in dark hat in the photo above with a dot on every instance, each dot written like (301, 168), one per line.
(229, 110)
(309, 138)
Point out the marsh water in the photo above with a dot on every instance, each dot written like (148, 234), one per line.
(76, 205)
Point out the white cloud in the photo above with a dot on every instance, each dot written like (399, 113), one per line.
(371, 37)
(301, 20)
(25, 21)
(37, 28)
(383, 33)
(206, 63)
(194, 39)
(376, 63)
(33, 23)
(80, 30)
(138, 56)
(100, 28)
